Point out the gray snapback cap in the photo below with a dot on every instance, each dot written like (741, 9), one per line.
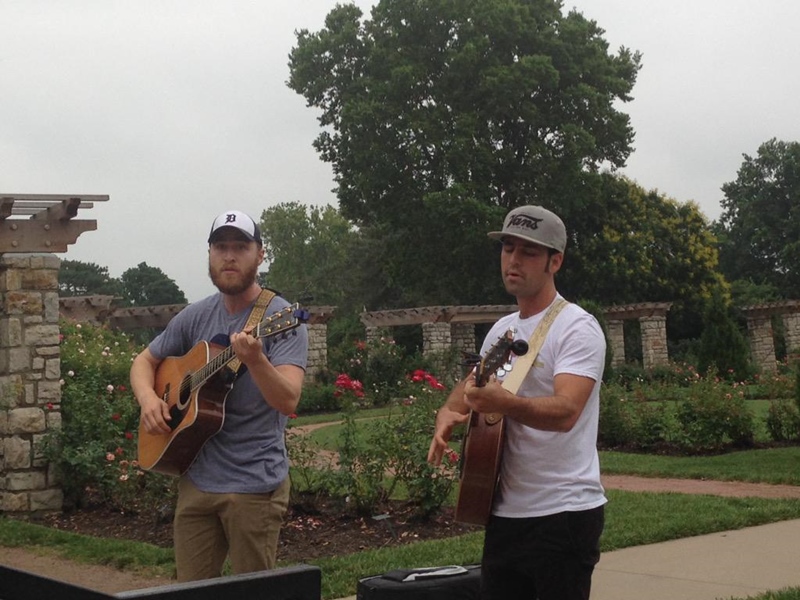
(534, 224)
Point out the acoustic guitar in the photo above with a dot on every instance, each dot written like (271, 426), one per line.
(195, 387)
(482, 447)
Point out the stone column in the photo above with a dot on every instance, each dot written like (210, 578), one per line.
(762, 345)
(654, 341)
(317, 350)
(30, 369)
(436, 339)
(791, 325)
(616, 338)
(373, 334)
(463, 337)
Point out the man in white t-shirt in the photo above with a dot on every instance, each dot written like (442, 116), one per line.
(543, 537)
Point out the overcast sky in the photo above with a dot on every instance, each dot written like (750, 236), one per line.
(178, 109)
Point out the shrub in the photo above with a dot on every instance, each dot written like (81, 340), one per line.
(714, 416)
(319, 397)
(94, 450)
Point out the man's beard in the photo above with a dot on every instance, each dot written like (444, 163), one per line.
(246, 279)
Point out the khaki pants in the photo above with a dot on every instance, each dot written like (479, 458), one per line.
(209, 527)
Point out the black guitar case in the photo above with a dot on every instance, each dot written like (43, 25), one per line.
(430, 583)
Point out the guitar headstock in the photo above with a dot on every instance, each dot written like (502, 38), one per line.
(497, 356)
(282, 321)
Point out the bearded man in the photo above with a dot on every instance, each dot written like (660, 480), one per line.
(234, 495)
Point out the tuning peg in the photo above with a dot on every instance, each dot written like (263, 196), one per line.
(519, 347)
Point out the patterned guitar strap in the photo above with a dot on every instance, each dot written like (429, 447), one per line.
(523, 363)
(259, 308)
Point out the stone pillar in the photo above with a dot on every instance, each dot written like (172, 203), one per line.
(436, 339)
(791, 325)
(762, 344)
(616, 338)
(317, 350)
(654, 341)
(463, 337)
(30, 370)
(373, 334)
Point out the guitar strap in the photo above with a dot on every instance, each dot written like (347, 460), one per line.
(259, 308)
(523, 363)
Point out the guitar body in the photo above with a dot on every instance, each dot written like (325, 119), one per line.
(482, 449)
(481, 456)
(197, 414)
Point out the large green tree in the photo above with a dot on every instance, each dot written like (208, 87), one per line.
(439, 116)
(144, 285)
(311, 251)
(759, 228)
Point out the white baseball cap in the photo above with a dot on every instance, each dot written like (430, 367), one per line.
(238, 220)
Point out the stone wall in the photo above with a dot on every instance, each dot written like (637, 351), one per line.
(30, 370)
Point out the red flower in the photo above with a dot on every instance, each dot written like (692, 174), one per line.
(116, 417)
(128, 435)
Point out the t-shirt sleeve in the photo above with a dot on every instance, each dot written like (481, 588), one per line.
(581, 349)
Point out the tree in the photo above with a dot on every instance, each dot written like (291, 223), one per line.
(439, 116)
(635, 246)
(310, 251)
(76, 278)
(759, 228)
(723, 349)
(144, 285)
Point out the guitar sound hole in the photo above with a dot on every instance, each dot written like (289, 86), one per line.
(177, 417)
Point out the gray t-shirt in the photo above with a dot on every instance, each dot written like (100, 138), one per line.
(248, 455)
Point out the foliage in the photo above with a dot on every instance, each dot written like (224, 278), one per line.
(783, 419)
(714, 417)
(311, 251)
(759, 228)
(379, 363)
(139, 286)
(698, 415)
(652, 247)
(362, 465)
(439, 116)
(94, 450)
(319, 397)
(144, 285)
(379, 456)
(76, 278)
(723, 349)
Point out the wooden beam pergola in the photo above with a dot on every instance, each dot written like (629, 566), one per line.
(43, 222)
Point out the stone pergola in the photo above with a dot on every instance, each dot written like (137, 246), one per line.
(760, 333)
(445, 327)
(32, 226)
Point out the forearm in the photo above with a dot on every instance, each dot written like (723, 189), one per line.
(546, 413)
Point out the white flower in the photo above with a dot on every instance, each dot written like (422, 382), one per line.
(71, 373)
(109, 388)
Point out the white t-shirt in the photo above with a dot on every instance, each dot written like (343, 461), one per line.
(545, 472)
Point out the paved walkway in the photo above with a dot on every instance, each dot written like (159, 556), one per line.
(739, 564)
(727, 564)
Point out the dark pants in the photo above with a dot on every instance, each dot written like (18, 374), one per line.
(544, 558)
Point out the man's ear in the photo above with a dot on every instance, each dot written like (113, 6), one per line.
(556, 260)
